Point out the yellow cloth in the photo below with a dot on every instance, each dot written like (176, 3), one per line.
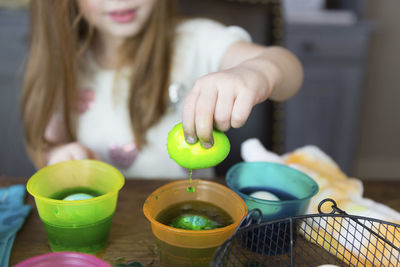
(347, 192)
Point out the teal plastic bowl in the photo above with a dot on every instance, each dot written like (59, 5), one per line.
(293, 188)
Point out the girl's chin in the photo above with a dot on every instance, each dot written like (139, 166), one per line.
(123, 32)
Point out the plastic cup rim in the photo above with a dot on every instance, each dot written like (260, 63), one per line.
(119, 175)
(64, 254)
(153, 221)
(273, 202)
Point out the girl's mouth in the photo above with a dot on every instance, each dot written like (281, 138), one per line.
(123, 16)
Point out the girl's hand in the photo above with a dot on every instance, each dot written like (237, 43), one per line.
(69, 151)
(249, 74)
(222, 99)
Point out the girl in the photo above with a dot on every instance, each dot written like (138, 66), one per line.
(108, 79)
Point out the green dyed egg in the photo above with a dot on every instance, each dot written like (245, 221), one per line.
(79, 196)
(195, 156)
(193, 222)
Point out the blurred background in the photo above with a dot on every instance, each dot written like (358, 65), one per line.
(348, 105)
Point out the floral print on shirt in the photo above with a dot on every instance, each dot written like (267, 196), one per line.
(123, 156)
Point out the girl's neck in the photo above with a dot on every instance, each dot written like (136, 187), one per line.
(105, 50)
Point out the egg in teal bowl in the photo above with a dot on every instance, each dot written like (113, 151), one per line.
(279, 191)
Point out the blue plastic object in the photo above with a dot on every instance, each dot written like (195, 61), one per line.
(12, 216)
(294, 188)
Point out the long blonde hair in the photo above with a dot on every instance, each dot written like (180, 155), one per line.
(59, 37)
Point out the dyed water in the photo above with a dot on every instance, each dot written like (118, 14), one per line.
(213, 213)
(84, 238)
(89, 238)
(276, 237)
(180, 256)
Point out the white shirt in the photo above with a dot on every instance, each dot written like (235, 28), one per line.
(104, 122)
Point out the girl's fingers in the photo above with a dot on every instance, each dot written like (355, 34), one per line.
(71, 151)
(79, 152)
(82, 152)
(223, 110)
(188, 116)
(95, 156)
(241, 109)
(58, 158)
(204, 116)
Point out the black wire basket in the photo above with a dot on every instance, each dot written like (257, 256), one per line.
(334, 238)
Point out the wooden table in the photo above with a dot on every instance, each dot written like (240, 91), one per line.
(130, 235)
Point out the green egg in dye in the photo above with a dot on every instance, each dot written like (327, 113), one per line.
(194, 156)
(194, 215)
(194, 222)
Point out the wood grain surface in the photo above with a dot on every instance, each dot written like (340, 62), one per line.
(130, 235)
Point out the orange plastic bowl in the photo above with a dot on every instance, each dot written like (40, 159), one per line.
(180, 247)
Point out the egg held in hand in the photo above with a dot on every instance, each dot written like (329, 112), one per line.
(194, 156)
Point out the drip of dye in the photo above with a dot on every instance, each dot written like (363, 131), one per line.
(70, 192)
(194, 215)
(190, 189)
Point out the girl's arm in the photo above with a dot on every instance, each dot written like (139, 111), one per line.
(279, 65)
(249, 74)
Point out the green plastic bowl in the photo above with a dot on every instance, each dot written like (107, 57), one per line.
(81, 225)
